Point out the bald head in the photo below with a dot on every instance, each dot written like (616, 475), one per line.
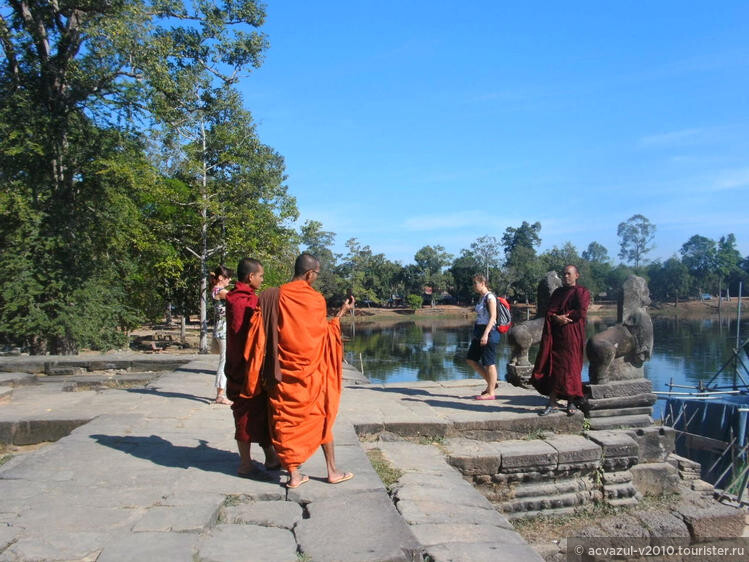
(304, 263)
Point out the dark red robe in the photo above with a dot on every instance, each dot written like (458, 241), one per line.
(250, 411)
(559, 362)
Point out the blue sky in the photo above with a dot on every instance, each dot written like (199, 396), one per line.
(413, 123)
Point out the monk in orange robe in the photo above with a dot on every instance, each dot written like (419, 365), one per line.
(305, 370)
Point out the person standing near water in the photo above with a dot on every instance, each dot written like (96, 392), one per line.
(220, 279)
(482, 353)
(559, 363)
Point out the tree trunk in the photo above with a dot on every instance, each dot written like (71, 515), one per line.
(169, 320)
(203, 347)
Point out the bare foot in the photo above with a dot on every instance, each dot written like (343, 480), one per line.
(221, 399)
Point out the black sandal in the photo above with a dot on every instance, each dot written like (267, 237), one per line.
(548, 410)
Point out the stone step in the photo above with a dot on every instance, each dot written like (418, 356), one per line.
(543, 503)
(616, 422)
(6, 392)
(550, 488)
(618, 491)
(646, 410)
(17, 379)
(623, 502)
(546, 512)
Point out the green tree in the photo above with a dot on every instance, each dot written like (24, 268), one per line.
(486, 249)
(319, 243)
(698, 254)
(596, 253)
(432, 259)
(463, 268)
(636, 235)
(727, 259)
(524, 270)
(79, 83)
(668, 280)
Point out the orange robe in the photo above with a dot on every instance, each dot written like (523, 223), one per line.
(304, 404)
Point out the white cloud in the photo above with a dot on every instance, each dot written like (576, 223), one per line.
(673, 138)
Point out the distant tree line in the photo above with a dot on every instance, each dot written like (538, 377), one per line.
(514, 267)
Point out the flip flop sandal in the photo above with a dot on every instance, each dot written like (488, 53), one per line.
(304, 480)
(346, 476)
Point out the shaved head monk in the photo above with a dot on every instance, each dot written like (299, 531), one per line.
(305, 366)
(250, 405)
(559, 363)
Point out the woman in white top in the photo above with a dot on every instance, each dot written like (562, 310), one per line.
(482, 354)
(220, 279)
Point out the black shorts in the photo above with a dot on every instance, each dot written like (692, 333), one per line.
(486, 355)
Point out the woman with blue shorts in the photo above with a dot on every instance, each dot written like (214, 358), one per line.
(482, 354)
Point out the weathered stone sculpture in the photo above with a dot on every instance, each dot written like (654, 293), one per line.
(619, 352)
(619, 395)
(525, 334)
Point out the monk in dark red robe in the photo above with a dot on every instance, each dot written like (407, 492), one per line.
(559, 363)
(305, 370)
(250, 405)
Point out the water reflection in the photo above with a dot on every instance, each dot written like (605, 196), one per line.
(686, 350)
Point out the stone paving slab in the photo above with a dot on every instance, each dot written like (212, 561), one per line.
(17, 379)
(54, 546)
(150, 546)
(282, 514)
(364, 526)
(483, 552)
(473, 457)
(518, 454)
(247, 542)
(574, 448)
(614, 443)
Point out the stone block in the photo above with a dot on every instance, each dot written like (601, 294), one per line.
(437, 512)
(701, 486)
(618, 389)
(683, 463)
(644, 410)
(708, 519)
(17, 379)
(179, 519)
(55, 545)
(655, 479)
(644, 399)
(614, 443)
(36, 431)
(617, 477)
(335, 525)
(418, 429)
(63, 370)
(519, 454)
(482, 552)
(664, 526)
(618, 422)
(547, 489)
(115, 364)
(430, 535)
(655, 443)
(282, 514)
(245, 542)
(150, 546)
(623, 525)
(473, 457)
(519, 375)
(574, 449)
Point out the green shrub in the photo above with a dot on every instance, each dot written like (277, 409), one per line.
(414, 301)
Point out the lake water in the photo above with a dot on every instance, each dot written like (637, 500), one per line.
(686, 351)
